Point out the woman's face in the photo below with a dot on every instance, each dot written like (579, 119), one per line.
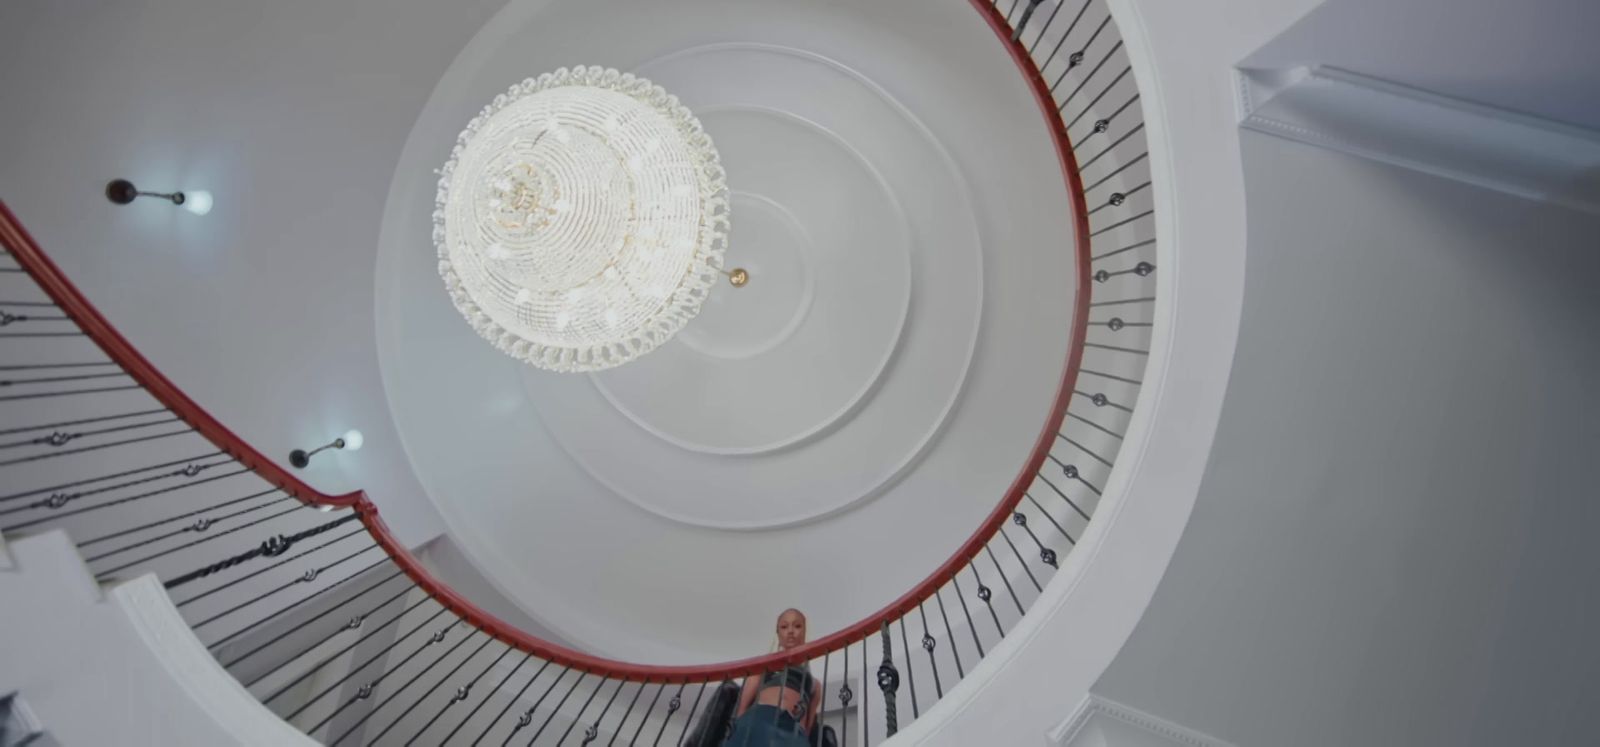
(791, 629)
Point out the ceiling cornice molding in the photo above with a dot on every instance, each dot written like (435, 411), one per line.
(1098, 721)
(1506, 151)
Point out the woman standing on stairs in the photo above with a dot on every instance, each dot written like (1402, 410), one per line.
(779, 709)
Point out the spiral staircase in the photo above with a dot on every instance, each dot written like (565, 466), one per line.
(969, 457)
(319, 613)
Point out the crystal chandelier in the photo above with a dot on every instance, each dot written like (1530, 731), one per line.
(581, 220)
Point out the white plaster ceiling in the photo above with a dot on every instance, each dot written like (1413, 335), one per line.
(821, 438)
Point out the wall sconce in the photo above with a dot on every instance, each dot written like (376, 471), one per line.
(351, 441)
(122, 192)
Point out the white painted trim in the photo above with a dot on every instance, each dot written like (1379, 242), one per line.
(1095, 711)
(1526, 156)
(186, 659)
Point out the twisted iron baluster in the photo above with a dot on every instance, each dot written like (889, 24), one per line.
(888, 676)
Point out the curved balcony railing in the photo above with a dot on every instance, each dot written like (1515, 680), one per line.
(310, 602)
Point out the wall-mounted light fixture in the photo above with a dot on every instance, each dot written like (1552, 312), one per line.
(197, 201)
(350, 441)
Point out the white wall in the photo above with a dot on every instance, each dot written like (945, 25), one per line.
(1391, 546)
(293, 114)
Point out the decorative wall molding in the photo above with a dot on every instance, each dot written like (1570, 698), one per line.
(1533, 158)
(1098, 722)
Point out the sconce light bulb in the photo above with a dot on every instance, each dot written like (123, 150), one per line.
(352, 440)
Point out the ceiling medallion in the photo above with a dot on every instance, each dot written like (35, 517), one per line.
(581, 220)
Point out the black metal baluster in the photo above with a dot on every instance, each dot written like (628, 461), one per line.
(1072, 473)
(442, 680)
(192, 466)
(1094, 425)
(82, 421)
(381, 655)
(526, 719)
(690, 719)
(1143, 299)
(319, 616)
(1063, 39)
(1044, 29)
(1020, 560)
(822, 706)
(1118, 199)
(170, 519)
(355, 623)
(1103, 124)
(65, 392)
(971, 628)
(866, 698)
(673, 706)
(928, 644)
(305, 578)
(949, 636)
(593, 732)
(1045, 554)
(1106, 255)
(426, 644)
(1092, 73)
(85, 449)
(1085, 449)
(645, 719)
(281, 610)
(1076, 58)
(888, 683)
(579, 716)
(1143, 268)
(198, 526)
(1130, 133)
(1114, 172)
(59, 499)
(905, 651)
(845, 696)
(272, 547)
(986, 595)
(557, 708)
(1059, 492)
(1003, 578)
(1090, 106)
(58, 437)
(625, 714)
(513, 701)
(464, 692)
(355, 533)
(1027, 13)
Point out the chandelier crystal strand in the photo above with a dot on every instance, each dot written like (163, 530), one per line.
(582, 219)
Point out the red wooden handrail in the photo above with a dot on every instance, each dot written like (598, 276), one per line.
(67, 297)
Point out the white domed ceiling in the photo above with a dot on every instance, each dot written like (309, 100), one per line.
(824, 436)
